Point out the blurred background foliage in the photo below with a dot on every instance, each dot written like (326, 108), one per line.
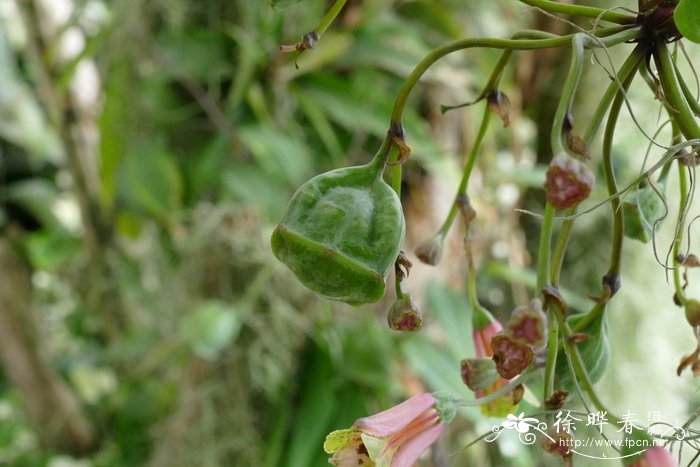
(147, 149)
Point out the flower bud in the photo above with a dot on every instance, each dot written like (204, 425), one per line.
(404, 315)
(500, 105)
(478, 373)
(528, 325)
(430, 251)
(568, 182)
(558, 443)
(511, 357)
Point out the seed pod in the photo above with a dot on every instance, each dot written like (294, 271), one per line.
(642, 209)
(595, 351)
(342, 233)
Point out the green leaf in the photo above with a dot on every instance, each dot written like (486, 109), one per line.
(643, 209)
(209, 328)
(687, 18)
(51, 249)
(151, 180)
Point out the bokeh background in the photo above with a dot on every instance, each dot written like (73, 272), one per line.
(147, 150)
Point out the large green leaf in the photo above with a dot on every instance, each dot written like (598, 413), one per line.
(687, 18)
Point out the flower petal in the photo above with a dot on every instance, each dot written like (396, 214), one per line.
(659, 457)
(396, 418)
(411, 450)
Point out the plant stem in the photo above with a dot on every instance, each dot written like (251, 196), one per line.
(509, 44)
(680, 225)
(608, 171)
(545, 246)
(330, 17)
(580, 369)
(630, 66)
(585, 11)
(469, 166)
(680, 111)
(568, 91)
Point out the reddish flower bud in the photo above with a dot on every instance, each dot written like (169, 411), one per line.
(558, 443)
(528, 325)
(511, 357)
(568, 183)
(405, 316)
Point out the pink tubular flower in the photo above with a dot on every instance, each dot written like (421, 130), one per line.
(394, 438)
(656, 457)
(485, 327)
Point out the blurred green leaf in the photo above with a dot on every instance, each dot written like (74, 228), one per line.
(151, 181)
(210, 327)
(37, 196)
(282, 3)
(49, 250)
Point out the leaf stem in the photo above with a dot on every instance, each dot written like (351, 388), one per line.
(509, 44)
(585, 11)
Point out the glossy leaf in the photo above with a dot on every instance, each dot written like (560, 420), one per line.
(687, 18)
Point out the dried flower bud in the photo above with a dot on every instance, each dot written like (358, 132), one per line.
(528, 325)
(500, 105)
(430, 251)
(577, 145)
(404, 315)
(568, 182)
(511, 357)
(556, 400)
(478, 373)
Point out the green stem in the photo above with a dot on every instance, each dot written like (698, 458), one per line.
(585, 11)
(545, 246)
(680, 111)
(469, 166)
(687, 93)
(330, 17)
(580, 370)
(629, 67)
(680, 225)
(568, 90)
(552, 351)
(560, 247)
(608, 171)
(497, 72)
(510, 44)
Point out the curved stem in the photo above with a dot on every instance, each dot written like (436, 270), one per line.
(585, 11)
(608, 171)
(680, 111)
(511, 44)
(629, 67)
(568, 90)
